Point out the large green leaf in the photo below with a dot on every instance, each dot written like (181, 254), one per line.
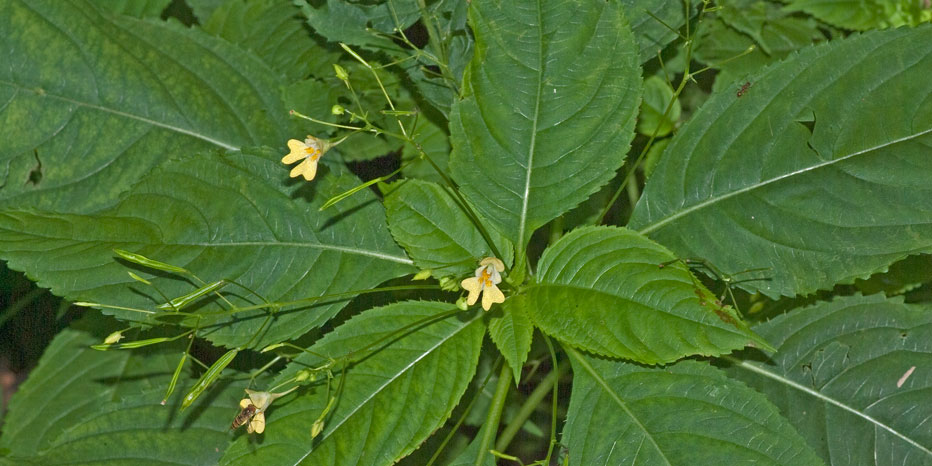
(865, 14)
(551, 98)
(686, 414)
(390, 402)
(86, 406)
(89, 103)
(220, 217)
(651, 34)
(818, 173)
(854, 376)
(605, 290)
(274, 31)
(435, 230)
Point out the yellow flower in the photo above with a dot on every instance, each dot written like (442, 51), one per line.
(253, 409)
(309, 151)
(487, 276)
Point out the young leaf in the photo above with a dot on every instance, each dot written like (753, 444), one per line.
(551, 99)
(426, 220)
(390, 401)
(512, 333)
(201, 213)
(81, 85)
(771, 179)
(85, 406)
(605, 290)
(686, 414)
(854, 376)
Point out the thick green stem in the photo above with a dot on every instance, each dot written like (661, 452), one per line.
(495, 413)
(530, 405)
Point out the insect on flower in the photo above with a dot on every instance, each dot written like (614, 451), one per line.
(244, 416)
(744, 89)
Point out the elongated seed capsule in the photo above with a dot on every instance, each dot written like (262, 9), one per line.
(209, 377)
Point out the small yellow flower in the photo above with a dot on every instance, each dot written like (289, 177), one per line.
(487, 276)
(309, 152)
(253, 409)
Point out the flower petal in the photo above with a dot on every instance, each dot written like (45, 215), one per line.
(494, 262)
(310, 169)
(297, 151)
(473, 286)
(491, 295)
(244, 403)
(257, 424)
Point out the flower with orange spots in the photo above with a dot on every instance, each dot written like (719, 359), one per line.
(488, 275)
(309, 152)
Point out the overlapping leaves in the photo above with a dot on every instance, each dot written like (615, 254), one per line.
(817, 174)
(221, 218)
(415, 360)
(853, 376)
(683, 414)
(613, 292)
(90, 102)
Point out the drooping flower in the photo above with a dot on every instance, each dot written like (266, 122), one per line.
(488, 275)
(253, 409)
(309, 152)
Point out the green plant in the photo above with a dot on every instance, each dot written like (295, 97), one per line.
(142, 180)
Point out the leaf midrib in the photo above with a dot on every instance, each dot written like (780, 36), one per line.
(824, 398)
(522, 220)
(101, 108)
(714, 200)
(388, 382)
(617, 398)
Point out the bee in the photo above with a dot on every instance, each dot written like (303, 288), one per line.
(744, 89)
(244, 416)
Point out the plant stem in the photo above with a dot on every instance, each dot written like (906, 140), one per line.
(495, 413)
(528, 408)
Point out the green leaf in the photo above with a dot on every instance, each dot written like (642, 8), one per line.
(103, 90)
(390, 402)
(651, 34)
(844, 377)
(362, 24)
(512, 331)
(604, 290)
(683, 414)
(134, 8)
(428, 222)
(771, 179)
(723, 41)
(273, 30)
(865, 14)
(654, 119)
(221, 218)
(549, 109)
(85, 406)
